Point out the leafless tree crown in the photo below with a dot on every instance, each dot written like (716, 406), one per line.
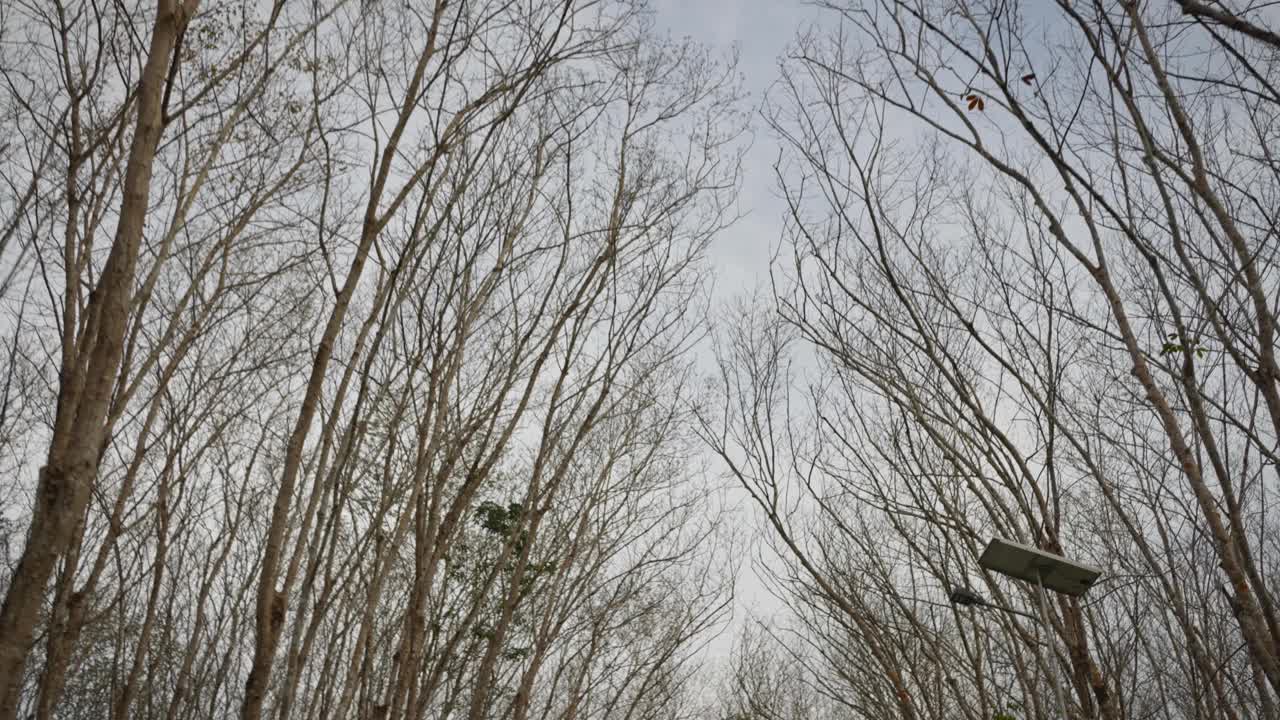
(345, 352)
(352, 361)
(1028, 289)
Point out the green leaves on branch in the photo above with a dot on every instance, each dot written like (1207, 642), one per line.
(1172, 346)
(499, 520)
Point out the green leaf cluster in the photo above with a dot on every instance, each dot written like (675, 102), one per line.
(499, 520)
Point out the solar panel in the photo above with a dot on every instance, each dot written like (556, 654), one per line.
(1034, 565)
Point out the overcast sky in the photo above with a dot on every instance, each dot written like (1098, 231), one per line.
(760, 30)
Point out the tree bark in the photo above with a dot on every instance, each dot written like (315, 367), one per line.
(72, 463)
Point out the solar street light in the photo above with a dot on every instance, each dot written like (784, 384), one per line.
(1044, 570)
(1023, 562)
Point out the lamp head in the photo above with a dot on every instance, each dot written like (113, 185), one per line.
(965, 597)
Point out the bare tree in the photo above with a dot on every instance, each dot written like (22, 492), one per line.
(90, 355)
(395, 420)
(1042, 302)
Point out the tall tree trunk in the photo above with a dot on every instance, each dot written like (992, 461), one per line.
(87, 384)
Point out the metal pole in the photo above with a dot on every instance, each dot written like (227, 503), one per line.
(1044, 619)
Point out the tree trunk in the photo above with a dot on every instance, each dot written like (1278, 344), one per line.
(66, 479)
